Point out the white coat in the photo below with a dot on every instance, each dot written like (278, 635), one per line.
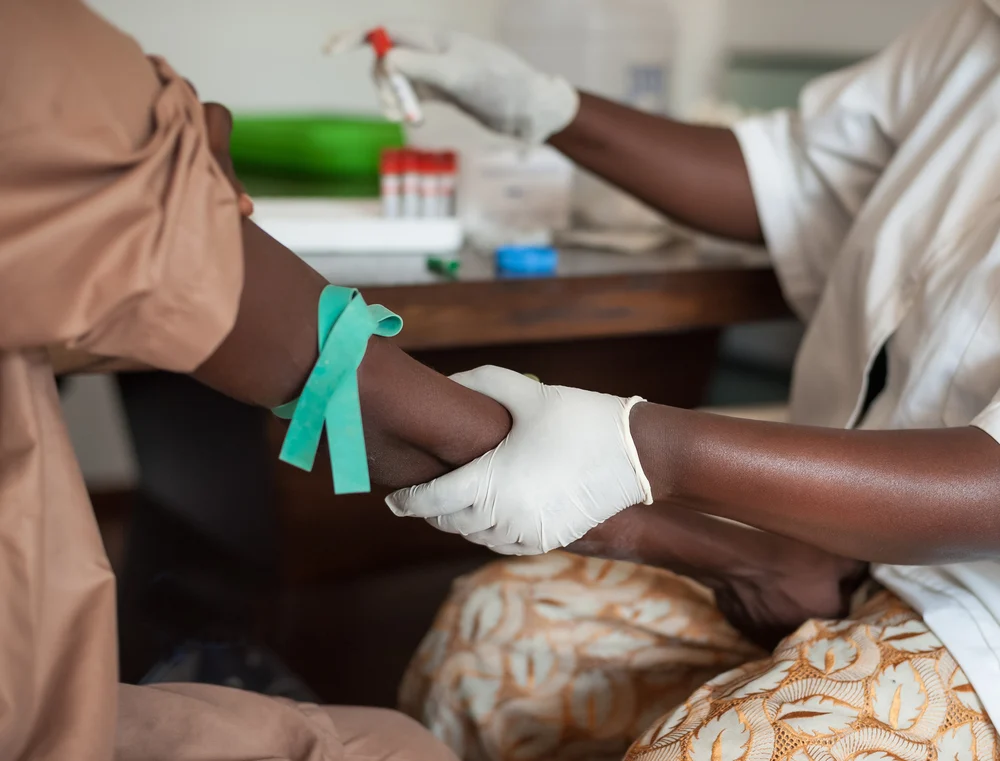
(880, 202)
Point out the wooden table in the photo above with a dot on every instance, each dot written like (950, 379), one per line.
(644, 325)
(593, 295)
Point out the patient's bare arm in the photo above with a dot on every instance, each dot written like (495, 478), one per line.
(418, 424)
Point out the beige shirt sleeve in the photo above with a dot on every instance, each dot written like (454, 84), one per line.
(119, 234)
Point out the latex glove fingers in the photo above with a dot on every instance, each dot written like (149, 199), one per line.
(568, 465)
(484, 79)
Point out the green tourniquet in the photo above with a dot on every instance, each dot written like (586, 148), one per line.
(331, 396)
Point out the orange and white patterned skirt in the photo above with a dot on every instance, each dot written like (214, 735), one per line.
(561, 658)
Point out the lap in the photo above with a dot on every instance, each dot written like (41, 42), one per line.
(569, 658)
(878, 686)
(565, 657)
(189, 722)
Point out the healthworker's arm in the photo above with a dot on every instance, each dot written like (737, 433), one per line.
(794, 179)
(896, 497)
(576, 459)
(694, 174)
(121, 236)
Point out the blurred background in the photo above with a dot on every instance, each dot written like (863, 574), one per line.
(213, 542)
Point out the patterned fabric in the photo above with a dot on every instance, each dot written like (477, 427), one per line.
(571, 659)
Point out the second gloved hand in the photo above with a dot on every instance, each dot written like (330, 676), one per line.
(568, 465)
(486, 80)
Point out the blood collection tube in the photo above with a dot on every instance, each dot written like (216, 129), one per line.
(449, 184)
(399, 101)
(411, 184)
(392, 184)
(430, 185)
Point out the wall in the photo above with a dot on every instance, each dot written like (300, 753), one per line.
(265, 54)
(98, 429)
(832, 27)
(262, 55)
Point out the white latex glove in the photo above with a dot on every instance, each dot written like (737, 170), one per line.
(568, 465)
(486, 80)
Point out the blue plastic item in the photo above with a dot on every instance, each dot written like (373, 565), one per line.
(527, 260)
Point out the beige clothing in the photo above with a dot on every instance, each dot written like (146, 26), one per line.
(561, 658)
(119, 236)
(202, 723)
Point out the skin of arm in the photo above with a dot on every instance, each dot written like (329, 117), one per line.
(898, 497)
(694, 174)
(766, 585)
(418, 424)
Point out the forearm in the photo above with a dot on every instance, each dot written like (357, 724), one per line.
(766, 585)
(901, 497)
(693, 544)
(418, 424)
(694, 174)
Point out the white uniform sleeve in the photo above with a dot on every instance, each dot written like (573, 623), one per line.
(812, 169)
(977, 380)
(988, 421)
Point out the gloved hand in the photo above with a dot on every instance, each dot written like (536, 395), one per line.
(568, 465)
(486, 80)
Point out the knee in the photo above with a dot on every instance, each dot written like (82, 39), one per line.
(374, 734)
(416, 742)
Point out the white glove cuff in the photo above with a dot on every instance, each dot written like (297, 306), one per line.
(633, 453)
